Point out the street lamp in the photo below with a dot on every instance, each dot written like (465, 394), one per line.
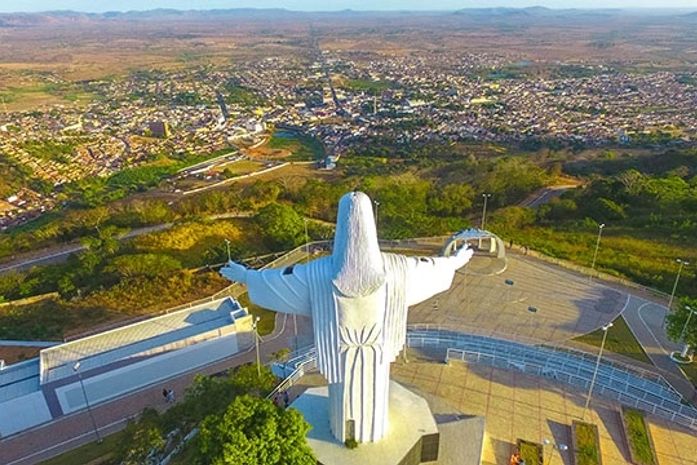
(227, 246)
(560, 447)
(597, 365)
(377, 206)
(681, 263)
(255, 323)
(686, 348)
(486, 197)
(307, 242)
(597, 246)
(76, 369)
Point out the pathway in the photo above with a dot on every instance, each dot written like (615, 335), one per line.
(545, 195)
(62, 252)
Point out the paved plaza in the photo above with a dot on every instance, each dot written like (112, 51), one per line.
(529, 301)
(520, 406)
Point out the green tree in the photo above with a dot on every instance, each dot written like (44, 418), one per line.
(451, 199)
(511, 218)
(281, 226)
(142, 439)
(678, 318)
(104, 244)
(145, 264)
(208, 395)
(254, 431)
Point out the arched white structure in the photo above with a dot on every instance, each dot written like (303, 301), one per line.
(485, 244)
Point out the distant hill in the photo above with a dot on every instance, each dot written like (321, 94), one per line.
(68, 17)
(500, 14)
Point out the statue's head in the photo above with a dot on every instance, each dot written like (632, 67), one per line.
(356, 260)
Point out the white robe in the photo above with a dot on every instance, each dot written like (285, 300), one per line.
(356, 337)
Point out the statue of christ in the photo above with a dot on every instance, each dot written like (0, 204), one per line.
(358, 299)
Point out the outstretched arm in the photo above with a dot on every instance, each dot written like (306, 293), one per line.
(283, 290)
(428, 276)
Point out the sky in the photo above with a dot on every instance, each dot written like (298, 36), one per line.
(324, 5)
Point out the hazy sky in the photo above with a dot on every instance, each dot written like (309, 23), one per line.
(313, 5)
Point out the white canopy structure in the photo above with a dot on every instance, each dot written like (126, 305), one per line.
(485, 244)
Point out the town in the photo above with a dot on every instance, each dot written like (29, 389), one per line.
(341, 99)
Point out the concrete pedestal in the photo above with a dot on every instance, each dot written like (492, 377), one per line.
(412, 436)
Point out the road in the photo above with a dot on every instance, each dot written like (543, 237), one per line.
(645, 319)
(61, 253)
(545, 195)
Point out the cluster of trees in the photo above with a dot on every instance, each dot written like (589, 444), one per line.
(240, 95)
(112, 279)
(236, 424)
(651, 218)
(666, 203)
(678, 327)
(50, 150)
(14, 176)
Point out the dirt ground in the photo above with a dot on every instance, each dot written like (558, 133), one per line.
(17, 354)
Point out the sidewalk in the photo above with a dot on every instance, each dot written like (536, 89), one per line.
(71, 431)
(644, 315)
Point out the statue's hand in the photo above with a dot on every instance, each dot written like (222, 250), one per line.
(234, 272)
(464, 255)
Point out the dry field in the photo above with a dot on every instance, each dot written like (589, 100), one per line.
(85, 48)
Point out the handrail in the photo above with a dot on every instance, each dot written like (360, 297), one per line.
(663, 400)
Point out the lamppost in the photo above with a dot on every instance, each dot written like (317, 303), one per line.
(377, 206)
(307, 242)
(76, 369)
(597, 365)
(255, 323)
(597, 247)
(686, 348)
(486, 198)
(681, 264)
(560, 447)
(227, 247)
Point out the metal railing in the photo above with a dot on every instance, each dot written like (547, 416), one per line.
(629, 385)
(304, 362)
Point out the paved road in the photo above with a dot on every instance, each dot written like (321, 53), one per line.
(545, 195)
(645, 319)
(61, 253)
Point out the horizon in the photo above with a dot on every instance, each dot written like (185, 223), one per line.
(315, 6)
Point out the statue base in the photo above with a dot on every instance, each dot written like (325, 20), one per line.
(412, 437)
